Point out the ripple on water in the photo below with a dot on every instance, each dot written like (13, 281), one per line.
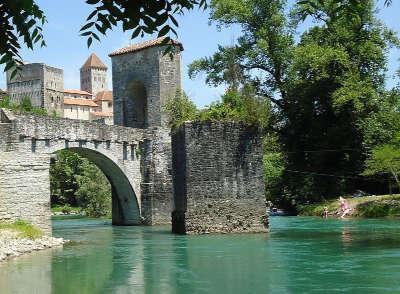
(299, 255)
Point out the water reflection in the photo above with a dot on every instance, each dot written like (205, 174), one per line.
(346, 237)
(28, 274)
(299, 255)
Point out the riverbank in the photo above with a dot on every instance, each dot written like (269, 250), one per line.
(20, 238)
(368, 206)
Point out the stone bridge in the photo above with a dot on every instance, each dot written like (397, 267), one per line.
(134, 154)
(127, 157)
(218, 169)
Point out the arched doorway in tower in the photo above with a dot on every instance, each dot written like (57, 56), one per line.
(85, 180)
(136, 106)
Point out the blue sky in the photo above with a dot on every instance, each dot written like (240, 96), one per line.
(67, 50)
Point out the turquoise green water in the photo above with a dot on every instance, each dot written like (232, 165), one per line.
(299, 255)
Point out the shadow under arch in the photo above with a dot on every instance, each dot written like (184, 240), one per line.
(125, 206)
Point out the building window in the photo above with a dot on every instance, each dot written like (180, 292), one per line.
(109, 104)
(71, 109)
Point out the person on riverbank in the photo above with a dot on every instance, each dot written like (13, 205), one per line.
(325, 213)
(344, 207)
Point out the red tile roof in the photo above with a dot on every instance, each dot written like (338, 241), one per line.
(103, 114)
(94, 61)
(77, 92)
(144, 45)
(104, 96)
(80, 102)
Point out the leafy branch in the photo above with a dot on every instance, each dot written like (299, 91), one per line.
(19, 19)
(140, 16)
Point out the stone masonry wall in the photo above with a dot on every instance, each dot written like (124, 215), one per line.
(157, 190)
(156, 73)
(27, 143)
(218, 179)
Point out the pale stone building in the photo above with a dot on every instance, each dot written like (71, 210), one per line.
(42, 84)
(94, 75)
(104, 111)
(78, 105)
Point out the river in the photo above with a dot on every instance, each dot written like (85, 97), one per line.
(299, 255)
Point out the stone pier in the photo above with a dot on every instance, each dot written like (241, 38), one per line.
(218, 179)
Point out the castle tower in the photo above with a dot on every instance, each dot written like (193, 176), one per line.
(144, 77)
(93, 75)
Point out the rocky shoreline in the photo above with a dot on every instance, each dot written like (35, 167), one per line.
(11, 245)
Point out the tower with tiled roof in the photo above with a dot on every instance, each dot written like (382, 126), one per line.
(144, 78)
(94, 75)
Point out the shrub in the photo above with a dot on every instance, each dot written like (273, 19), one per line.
(179, 109)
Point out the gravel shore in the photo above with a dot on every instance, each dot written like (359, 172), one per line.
(11, 245)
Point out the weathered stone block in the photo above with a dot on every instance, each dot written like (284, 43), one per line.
(218, 179)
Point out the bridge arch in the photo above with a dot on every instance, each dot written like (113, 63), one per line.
(125, 202)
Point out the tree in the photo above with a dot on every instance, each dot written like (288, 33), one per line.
(25, 19)
(325, 88)
(94, 191)
(338, 83)
(63, 183)
(384, 159)
(77, 182)
(263, 52)
(179, 109)
(19, 19)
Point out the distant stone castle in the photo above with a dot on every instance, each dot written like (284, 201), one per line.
(43, 85)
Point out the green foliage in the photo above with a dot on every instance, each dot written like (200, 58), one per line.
(243, 106)
(76, 182)
(94, 191)
(63, 183)
(327, 90)
(66, 209)
(385, 159)
(5, 102)
(369, 206)
(179, 109)
(274, 165)
(140, 17)
(24, 19)
(24, 229)
(24, 107)
(385, 208)
(382, 125)
(265, 47)
(21, 21)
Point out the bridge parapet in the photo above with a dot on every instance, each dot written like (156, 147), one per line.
(48, 128)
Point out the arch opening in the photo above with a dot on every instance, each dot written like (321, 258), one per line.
(137, 108)
(124, 202)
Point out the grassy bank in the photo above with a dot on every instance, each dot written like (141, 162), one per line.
(23, 228)
(66, 209)
(371, 206)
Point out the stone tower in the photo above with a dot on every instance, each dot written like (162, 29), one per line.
(94, 75)
(143, 79)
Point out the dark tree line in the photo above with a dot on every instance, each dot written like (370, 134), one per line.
(330, 105)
